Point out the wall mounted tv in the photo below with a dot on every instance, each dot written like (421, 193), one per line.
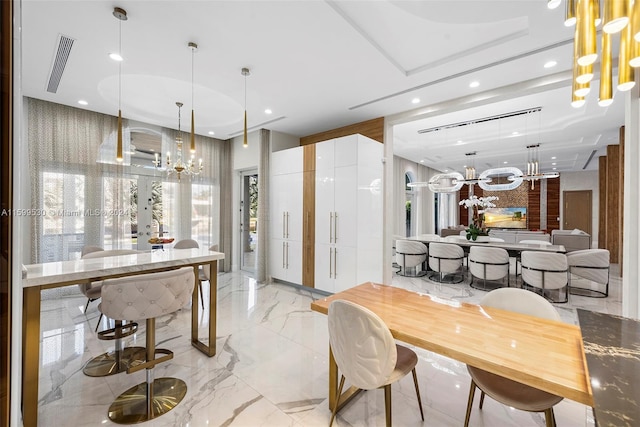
(505, 217)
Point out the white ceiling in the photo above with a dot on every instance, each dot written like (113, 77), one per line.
(319, 65)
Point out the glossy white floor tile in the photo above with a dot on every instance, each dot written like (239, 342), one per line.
(271, 367)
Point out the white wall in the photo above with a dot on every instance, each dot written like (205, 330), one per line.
(587, 180)
(282, 141)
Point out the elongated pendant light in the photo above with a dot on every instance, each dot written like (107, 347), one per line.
(121, 15)
(570, 13)
(586, 33)
(616, 15)
(245, 73)
(606, 70)
(194, 47)
(625, 72)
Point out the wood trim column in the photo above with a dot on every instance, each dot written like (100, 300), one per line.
(6, 204)
(309, 215)
(613, 203)
(621, 197)
(602, 202)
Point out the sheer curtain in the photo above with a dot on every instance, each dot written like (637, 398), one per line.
(82, 196)
(67, 197)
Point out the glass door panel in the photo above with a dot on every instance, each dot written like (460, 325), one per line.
(249, 221)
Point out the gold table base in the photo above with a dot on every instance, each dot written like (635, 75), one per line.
(131, 406)
(108, 364)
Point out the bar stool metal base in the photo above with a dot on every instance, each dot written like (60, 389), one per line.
(131, 406)
(110, 364)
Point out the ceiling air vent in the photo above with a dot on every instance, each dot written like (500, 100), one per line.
(59, 62)
(593, 153)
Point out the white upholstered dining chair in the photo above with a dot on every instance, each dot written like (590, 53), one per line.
(366, 353)
(546, 271)
(592, 265)
(445, 259)
(410, 254)
(488, 263)
(503, 390)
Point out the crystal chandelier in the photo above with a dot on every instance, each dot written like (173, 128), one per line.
(179, 166)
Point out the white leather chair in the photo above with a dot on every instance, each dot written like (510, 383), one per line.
(545, 271)
(93, 290)
(366, 353)
(445, 259)
(488, 263)
(118, 360)
(503, 390)
(146, 297)
(192, 244)
(593, 266)
(410, 254)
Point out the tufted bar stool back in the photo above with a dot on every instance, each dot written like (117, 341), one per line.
(118, 360)
(147, 297)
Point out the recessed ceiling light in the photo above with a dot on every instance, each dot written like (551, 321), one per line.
(415, 100)
(115, 57)
(83, 102)
(211, 132)
(421, 161)
(268, 111)
(447, 170)
(550, 64)
(515, 132)
(474, 84)
(460, 142)
(555, 168)
(553, 164)
(553, 158)
(504, 163)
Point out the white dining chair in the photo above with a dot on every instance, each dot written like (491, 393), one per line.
(192, 244)
(592, 266)
(446, 259)
(366, 353)
(487, 263)
(410, 254)
(546, 271)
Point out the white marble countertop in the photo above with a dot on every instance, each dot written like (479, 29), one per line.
(64, 272)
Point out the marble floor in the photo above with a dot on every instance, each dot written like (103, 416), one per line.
(271, 368)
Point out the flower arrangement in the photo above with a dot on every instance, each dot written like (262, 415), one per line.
(478, 204)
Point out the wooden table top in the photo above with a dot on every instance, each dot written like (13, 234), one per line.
(541, 353)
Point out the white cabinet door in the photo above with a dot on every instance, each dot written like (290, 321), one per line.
(287, 161)
(344, 266)
(324, 155)
(324, 267)
(277, 259)
(292, 205)
(293, 261)
(324, 206)
(345, 206)
(345, 151)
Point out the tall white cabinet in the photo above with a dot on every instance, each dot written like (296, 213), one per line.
(285, 254)
(348, 234)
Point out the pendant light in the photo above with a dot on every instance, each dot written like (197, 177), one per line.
(245, 73)
(194, 47)
(606, 72)
(626, 78)
(616, 15)
(121, 15)
(586, 33)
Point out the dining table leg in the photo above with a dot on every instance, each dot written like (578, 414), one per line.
(209, 348)
(30, 355)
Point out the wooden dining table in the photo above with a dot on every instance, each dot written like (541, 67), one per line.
(541, 353)
(38, 277)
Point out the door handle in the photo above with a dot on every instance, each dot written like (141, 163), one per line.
(287, 225)
(330, 227)
(287, 255)
(283, 255)
(330, 253)
(335, 263)
(335, 227)
(283, 225)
